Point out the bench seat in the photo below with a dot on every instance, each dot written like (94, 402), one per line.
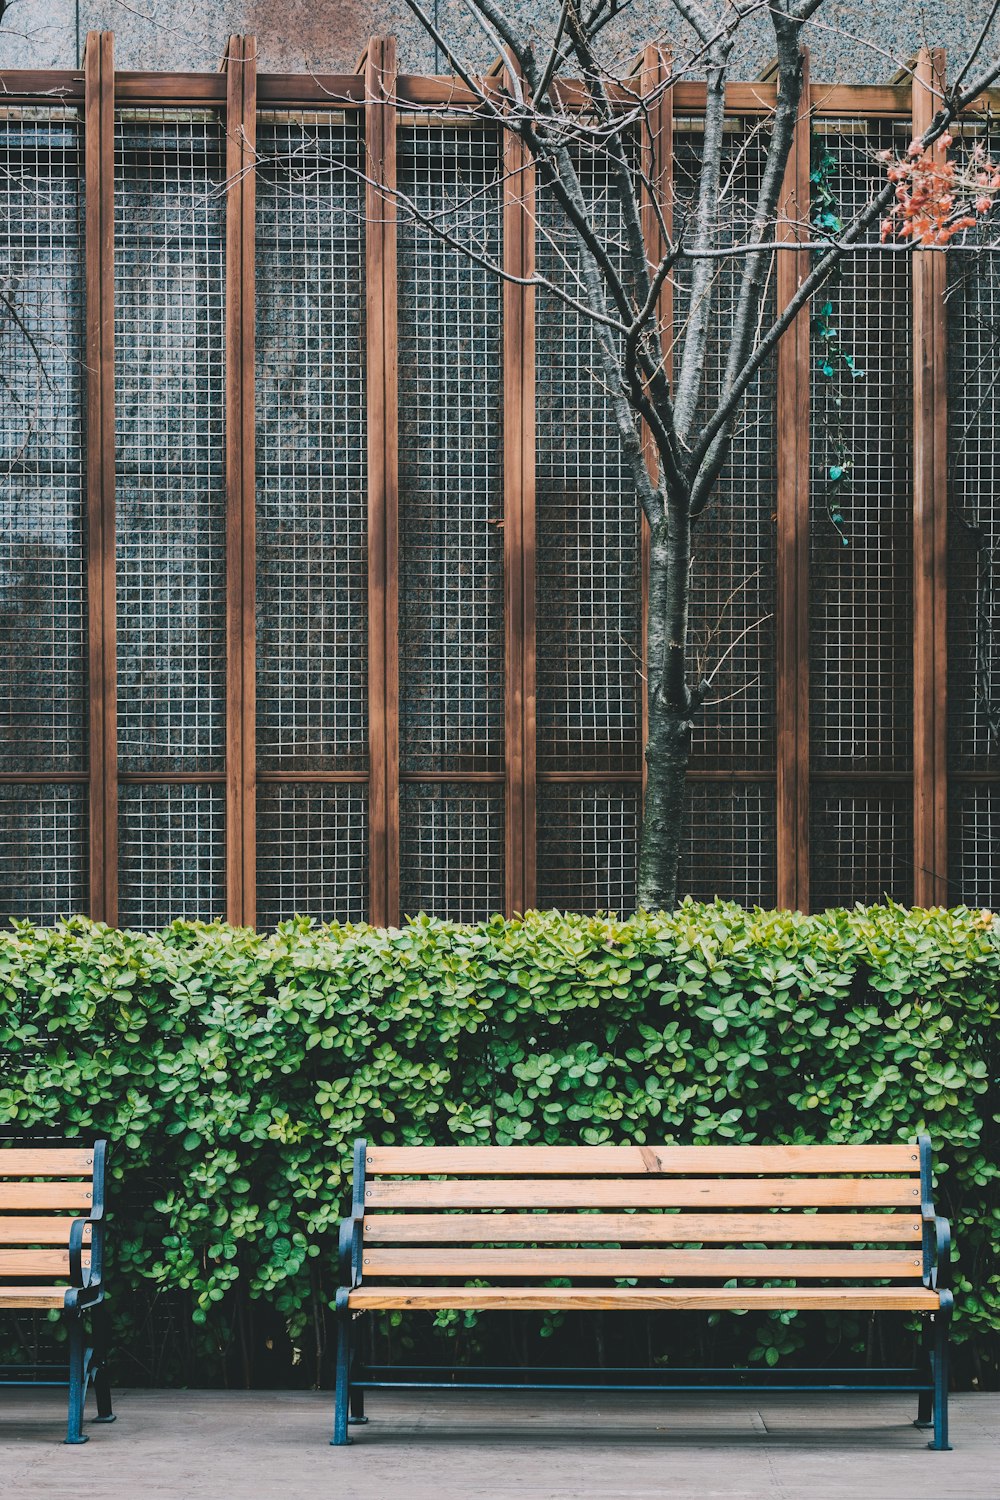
(52, 1257)
(649, 1229)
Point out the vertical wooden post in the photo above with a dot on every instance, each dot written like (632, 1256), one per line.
(99, 169)
(241, 134)
(792, 601)
(519, 521)
(930, 540)
(657, 156)
(383, 482)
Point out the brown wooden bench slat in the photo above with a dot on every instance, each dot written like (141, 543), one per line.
(29, 1231)
(507, 1263)
(624, 1299)
(618, 1161)
(45, 1162)
(664, 1192)
(36, 1263)
(46, 1195)
(38, 1297)
(728, 1228)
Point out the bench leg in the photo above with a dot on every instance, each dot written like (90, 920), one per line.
(342, 1393)
(925, 1365)
(942, 1321)
(357, 1417)
(99, 1366)
(77, 1382)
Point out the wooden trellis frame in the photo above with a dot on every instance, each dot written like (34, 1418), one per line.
(379, 92)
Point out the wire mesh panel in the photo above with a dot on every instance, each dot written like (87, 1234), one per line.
(312, 532)
(170, 440)
(42, 564)
(587, 839)
(732, 575)
(861, 533)
(451, 622)
(729, 843)
(861, 449)
(43, 851)
(588, 584)
(451, 631)
(172, 853)
(974, 842)
(451, 851)
(974, 558)
(862, 841)
(312, 846)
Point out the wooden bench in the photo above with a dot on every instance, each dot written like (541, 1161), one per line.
(845, 1228)
(52, 1256)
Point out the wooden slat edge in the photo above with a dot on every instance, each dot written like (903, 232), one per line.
(657, 156)
(22, 1230)
(99, 166)
(519, 523)
(895, 1265)
(241, 117)
(383, 481)
(652, 1192)
(46, 1161)
(643, 1228)
(930, 523)
(560, 1161)
(45, 1195)
(792, 583)
(641, 1299)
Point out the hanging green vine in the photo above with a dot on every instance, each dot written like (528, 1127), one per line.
(835, 363)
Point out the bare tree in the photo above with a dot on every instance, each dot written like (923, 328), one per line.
(656, 379)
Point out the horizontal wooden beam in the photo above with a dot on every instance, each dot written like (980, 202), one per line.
(444, 93)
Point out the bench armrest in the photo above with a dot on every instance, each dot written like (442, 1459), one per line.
(349, 1251)
(92, 1277)
(941, 1269)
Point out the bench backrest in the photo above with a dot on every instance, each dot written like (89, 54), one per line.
(684, 1213)
(42, 1190)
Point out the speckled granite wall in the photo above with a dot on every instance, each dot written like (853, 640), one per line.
(857, 42)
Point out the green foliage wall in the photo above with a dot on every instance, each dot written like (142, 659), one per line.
(233, 1070)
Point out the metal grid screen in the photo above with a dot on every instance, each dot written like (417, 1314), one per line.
(312, 846)
(862, 836)
(449, 840)
(312, 516)
(171, 504)
(587, 840)
(43, 851)
(861, 666)
(451, 626)
(974, 564)
(43, 641)
(171, 855)
(589, 590)
(729, 846)
(42, 563)
(589, 595)
(312, 523)
(170, 441)
(731, 838)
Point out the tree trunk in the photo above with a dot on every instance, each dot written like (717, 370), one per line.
(670, 702)
(667, 755)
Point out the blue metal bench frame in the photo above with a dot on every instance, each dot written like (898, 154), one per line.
(928, 1380)
(83, 1303)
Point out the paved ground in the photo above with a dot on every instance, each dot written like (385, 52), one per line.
(273, 1446)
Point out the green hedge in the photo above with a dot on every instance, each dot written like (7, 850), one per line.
(232, 1071)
